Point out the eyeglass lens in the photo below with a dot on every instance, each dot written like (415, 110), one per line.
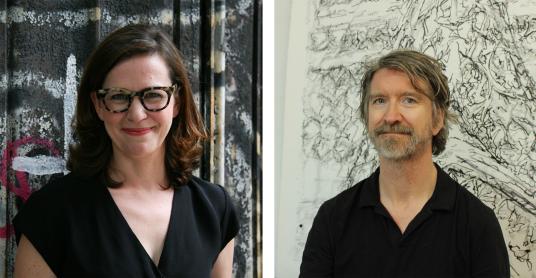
(118, 100)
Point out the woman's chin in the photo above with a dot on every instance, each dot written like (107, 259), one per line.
(138, 151)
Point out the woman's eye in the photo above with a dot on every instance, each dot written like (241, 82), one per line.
(154, 95)
(119, 97)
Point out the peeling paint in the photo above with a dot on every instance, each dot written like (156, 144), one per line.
(239, 184)
(243, 6)
(189, 19)
(164, 17)
(69, 101)
(28, 78)
(3, 16)
(220, 15)
(247, 122)
(36, 121)
(73, 19)
(3, 82)
(39, 165)
(80, 18)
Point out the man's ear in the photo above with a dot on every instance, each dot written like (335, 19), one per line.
(438, 121)
(96, 104)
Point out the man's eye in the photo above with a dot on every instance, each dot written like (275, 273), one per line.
(409, 100)
(378, 101)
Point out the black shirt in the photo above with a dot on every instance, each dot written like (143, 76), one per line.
(454, 235)
(80, 232)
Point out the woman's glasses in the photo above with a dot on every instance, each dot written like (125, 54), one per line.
(153, 99)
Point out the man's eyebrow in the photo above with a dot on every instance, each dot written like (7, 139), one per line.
(376, 94)
(406, 93)
(413, 94)
(418, 93)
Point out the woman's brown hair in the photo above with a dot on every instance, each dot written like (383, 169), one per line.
(92, 154)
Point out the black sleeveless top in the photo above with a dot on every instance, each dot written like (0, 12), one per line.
(80, 232)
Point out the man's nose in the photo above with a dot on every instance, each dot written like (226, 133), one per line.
(392, 114)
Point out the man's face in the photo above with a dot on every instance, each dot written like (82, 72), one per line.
(400, 117)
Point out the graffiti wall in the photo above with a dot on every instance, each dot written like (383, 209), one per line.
(488, 50)
(46, 46)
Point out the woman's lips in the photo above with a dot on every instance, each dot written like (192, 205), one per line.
(136, 131)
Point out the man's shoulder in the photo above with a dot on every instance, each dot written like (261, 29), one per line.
(343, 202)
(471, 204)
(474, 205)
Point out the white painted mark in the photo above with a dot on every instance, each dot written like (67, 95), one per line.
(243, 6)
(39, 165)
(3, 17)
(3, 82)
(28, 78)
(219, 61)
(164, 17)
(69, 101)
(80, 18)
(74, 19)
(189, 19)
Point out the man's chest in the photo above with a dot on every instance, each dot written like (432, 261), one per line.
(372, 245)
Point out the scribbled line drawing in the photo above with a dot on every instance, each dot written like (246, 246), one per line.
(490, 57)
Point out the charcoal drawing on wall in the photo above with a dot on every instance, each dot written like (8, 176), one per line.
(488, 50)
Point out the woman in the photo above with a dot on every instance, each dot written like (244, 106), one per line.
(130, 206)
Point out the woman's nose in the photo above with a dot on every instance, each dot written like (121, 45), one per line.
(136, 111)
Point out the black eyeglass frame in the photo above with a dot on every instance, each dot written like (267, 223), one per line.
(170, 90)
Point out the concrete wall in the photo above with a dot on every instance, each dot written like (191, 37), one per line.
(44, 47)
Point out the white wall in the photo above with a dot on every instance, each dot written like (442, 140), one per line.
(282, 26)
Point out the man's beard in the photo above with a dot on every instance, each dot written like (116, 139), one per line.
(397, 147)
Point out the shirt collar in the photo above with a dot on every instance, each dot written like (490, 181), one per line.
(444, 194)
(443, 197)
(370, 194)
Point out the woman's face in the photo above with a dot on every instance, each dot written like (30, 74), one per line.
(137, 132)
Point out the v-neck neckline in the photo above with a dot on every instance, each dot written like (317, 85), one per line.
(126, 227)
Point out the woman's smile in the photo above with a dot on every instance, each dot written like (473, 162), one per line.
(137, 131)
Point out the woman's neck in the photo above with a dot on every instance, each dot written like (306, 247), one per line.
(146, 173)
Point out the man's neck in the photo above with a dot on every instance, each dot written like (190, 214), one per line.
(407, 181)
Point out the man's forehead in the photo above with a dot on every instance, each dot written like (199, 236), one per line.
(412, 92)
(418, 85)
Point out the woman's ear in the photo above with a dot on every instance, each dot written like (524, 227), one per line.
(96, 104)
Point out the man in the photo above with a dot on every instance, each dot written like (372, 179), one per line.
(409, 218)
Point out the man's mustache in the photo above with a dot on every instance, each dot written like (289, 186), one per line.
(398, 128)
